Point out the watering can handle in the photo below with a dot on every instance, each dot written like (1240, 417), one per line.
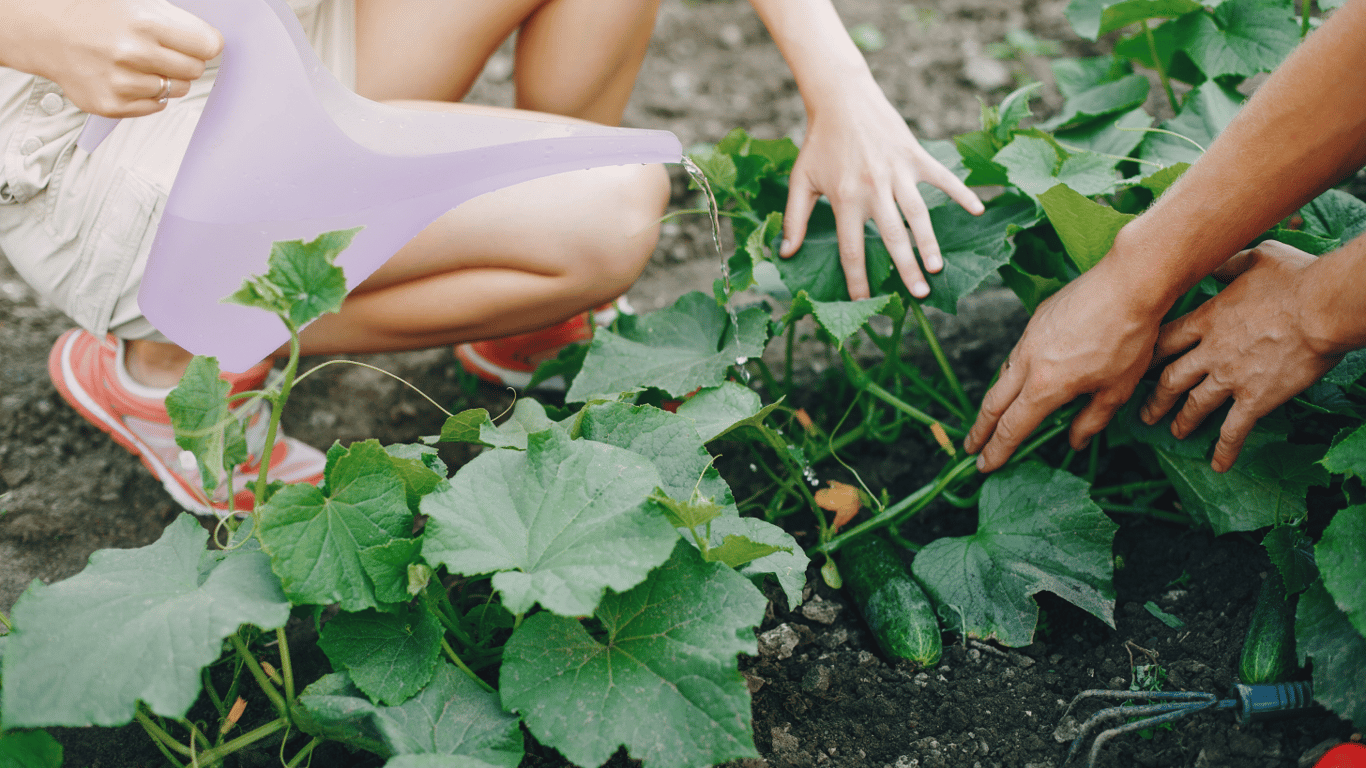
(95, 130)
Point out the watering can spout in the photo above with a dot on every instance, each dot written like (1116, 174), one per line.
(283, 151)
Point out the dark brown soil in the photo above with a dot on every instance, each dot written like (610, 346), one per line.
(830, 698)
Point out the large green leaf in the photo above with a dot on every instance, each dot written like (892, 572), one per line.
(1110, 98)
(389, 656)
(841, 319)
(556, 525)
(301, 282)
(1204, 113)
(1087, 228)
(1241, 38)
(1116, 138)
(1341, 557)
(1075, 75)
(315, 536)
(1033, 165)
(1324, 633)
(451, 716)
(715, 411)
(29, 749)
(668, 440)
(1335, 215)
(974, 247)
(661, 678)
(787, 565)
(816, 268)
(1266, 486)
(689, 345)
(1292, 552)
(1037, 531)
(204, 426)
(1348, 454)
(1093, 18)
(136, 624)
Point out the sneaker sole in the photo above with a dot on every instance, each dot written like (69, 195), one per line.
(493, 373)
(64, 377)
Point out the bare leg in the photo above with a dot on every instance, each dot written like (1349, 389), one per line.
(578, 58)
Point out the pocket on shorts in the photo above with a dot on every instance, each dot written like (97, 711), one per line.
(121, 230)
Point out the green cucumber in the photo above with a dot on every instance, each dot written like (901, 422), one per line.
(1269, 649)
(891, 601)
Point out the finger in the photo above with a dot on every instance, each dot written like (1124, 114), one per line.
(1236, 265)
(1237, 426)
(1097, 414)
(898, 242)
(849, 234)
(1180, 377)
(801, 200)
(918, 219)
(1014, 427)
(935, 173)
(1179, 335)
(994, 405)
(1202, 400)
(188, 34)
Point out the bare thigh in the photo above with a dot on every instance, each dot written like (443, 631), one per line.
(573, 57)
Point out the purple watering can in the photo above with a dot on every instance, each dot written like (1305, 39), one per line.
(284, 151)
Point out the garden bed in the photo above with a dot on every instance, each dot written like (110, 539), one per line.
(822, 691)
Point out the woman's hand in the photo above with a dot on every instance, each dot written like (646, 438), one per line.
(108, 56)
(1251, 343)
(862, 156)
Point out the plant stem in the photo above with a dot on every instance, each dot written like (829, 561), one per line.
(159, 734)
(1305, 6)
(213, 693)
(1157, 64)
(780, 447)
(262, 680)
(286, 664)
(303, 753)
(910, 410)
(1128, 488)
(247, 739)
(789, 354)
(930, 338)
(906, 507)
(377, 369)
(1172, 517)
(277, 407)
(450, 653)
(8, 626)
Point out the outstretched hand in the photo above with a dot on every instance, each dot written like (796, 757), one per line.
(862, 156)
(1091, 338)
(1248, 343)
(108, 56)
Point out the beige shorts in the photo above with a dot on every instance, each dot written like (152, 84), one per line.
(78, 227)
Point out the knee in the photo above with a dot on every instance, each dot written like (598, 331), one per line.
(617, 255)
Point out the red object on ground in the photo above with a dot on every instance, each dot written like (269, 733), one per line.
(1349, 755)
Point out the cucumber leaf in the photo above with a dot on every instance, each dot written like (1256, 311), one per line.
(661, 678)
(301, 282)
(389, 656)
(1038, 531)
(85, 650)
(204, 426)
(715, 411)
(1087, 228)
(1241, 37)
(678, 349)
(556, 525)
(1292, 552)
(1109, 98)
(1325, 634)
(1339, 554)
(315, 536)
(1093, 18)
(30, 749)
(841, 319)
(1204, 113)
(451, 716)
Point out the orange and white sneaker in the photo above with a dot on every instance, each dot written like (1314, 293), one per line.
(90, 375)
(512, 360)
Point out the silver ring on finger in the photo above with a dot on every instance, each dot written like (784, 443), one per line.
(165, 91)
